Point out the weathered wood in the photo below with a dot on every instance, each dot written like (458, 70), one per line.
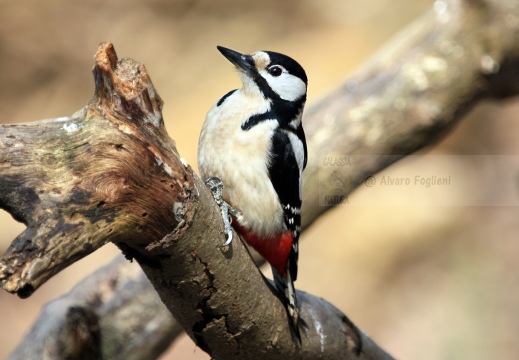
(113, 174)
(98, 176)
(415, 90)
(71, 326)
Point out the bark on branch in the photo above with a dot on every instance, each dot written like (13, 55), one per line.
(413, 91)
(416, 89)
(111, 173)
(116, 304)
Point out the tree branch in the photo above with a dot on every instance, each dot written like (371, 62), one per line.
(111, 173)
(416, 89)
(413, 91)
(71, 327)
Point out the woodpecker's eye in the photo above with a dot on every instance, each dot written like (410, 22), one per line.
(275, 71)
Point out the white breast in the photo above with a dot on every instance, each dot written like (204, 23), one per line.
(237, 157)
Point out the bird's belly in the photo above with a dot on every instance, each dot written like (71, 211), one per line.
(240, 162)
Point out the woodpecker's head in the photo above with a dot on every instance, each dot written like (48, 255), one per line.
(274, 75)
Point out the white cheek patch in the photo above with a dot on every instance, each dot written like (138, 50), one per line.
(287, 86)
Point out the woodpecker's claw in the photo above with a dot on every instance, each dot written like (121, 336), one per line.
(216, 187)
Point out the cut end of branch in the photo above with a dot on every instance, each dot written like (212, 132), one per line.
(106, 57)
(37, 254)
(123, 87)
(12, 281)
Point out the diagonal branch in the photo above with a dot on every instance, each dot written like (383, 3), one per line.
(111, 173)
(71, 327)
(416, 89)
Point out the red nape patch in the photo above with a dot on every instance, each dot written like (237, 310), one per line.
(274, 249)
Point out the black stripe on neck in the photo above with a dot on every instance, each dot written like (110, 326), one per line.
(256, 119)
(283, 111)
(220, 102)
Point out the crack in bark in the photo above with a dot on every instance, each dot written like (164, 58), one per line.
(208, 314)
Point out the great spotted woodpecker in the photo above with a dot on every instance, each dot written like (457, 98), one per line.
(253, 141)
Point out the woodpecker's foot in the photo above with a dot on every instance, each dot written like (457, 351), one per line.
(216, 187)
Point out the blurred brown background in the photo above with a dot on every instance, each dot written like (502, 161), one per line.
(426, 282)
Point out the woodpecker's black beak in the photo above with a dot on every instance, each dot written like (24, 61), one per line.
(241, 61)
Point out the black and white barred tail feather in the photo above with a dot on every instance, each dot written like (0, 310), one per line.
(285, 286)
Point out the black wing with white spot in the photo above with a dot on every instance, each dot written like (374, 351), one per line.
(288, 158)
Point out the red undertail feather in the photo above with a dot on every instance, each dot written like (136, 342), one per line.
(274, 249)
